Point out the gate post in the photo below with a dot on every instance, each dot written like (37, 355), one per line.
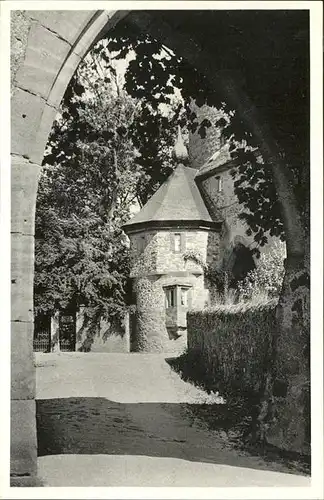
(55, 333)
(23, 443)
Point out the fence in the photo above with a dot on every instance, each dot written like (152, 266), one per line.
(41, 345)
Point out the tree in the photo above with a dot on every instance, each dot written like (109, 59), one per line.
(86, 191)
(154, 136)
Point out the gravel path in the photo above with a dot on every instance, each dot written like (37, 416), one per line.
(125, 420)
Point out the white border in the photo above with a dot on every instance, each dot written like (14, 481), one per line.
(316, 30)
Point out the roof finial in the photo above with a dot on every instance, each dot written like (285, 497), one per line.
(180, 153)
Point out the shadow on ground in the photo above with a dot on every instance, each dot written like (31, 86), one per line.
(86, 425)
(236, 419)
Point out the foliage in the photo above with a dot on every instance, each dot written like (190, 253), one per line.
(150, 326)
(267, 277)
(85, 194)
(79, 259)
(153, 135)
(156, 72)
(151, 128)
(232, 346)
(215, 278)
(264, 281)
(195, 257)
(254, 187)
(106, 151)
(218, 279)
(94, 128)
(234, 339)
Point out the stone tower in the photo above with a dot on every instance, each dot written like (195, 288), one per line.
(201, 149)
(173, 225)
(212, 158)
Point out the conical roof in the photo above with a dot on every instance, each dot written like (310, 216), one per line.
(177, 202)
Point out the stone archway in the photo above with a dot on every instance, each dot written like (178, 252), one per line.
(47, 47)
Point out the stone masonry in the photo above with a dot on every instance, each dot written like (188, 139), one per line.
(169, 241)
(46, 48)
(213, 161)
(155, 267)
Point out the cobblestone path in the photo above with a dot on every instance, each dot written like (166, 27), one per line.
(125, 420)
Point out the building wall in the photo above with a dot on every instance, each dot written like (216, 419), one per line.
(226, 207)
(200, 149)
(154, 322)
(155, 265)
(213, 249)
(143, 253)
(150, 333)
(152, 251)
(170, 261)
(199, 294)
(221, 205)
(90, 336)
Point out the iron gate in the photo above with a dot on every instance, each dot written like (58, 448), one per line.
(42, 333)
(67, 331)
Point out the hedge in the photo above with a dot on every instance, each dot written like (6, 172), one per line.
(232, 346)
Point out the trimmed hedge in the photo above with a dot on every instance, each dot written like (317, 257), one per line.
(232, 345)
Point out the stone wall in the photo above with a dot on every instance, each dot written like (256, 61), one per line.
(46, 48)
(94, 336)
(105, 337)
(152, 251)
(155, 265)
(201, 149)
(226, 204)
(213, 249)
(19, 28)
(170, 261)
(198, 294)
(150, 333)
(222, 205)
(143, 252)
(226, 207)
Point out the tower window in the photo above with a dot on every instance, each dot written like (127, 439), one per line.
(170, 297)
(177, 242)
(184, 297)
(219, 184)
(141, 243)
